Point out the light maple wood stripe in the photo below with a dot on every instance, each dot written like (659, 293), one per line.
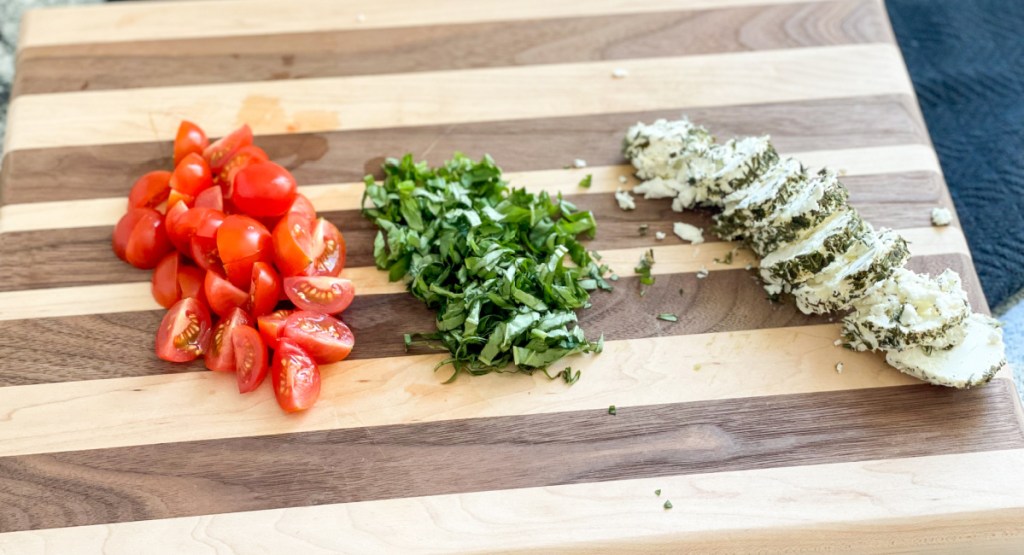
(184, 20)
(370, 102)
(347, 196)
(670, 259)
(375, 392)
(901, 504)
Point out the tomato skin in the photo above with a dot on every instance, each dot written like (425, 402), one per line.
(211, 198)
(220, 356)
(140, 238)
(191, 281)
(150, 190)
(241, 242)
(250, 358)
(191, 176)
(246, 156)
(324, 337)
(295, 376)
(219, 153)
(184, 332)
(270, 326)
(222, 296)
(264, 289)
(190, 139)
(264, 189)
(302, 205)
(326, 294)
(172, 219)
(164, 285)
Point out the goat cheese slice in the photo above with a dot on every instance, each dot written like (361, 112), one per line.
(796, 262)
(908, 310)
(870, 259)
(748, 207)
(735, 165)
(971, 363)
(810, 203)
(663, 148)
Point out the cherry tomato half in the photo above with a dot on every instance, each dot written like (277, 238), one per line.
(246, 156)
(191, 176)
(303, 246)
(302, 205)
(324, 337)
(190, 139)
(264, 289)
(211, 198)
(241, 242)
(218, 153)
(270, 326)
(264, 189)
(150, 190)
(140, 238)
(184, 333)
(250, 358)
(174, 279)
(295, 376)
(222, 296)
(220, 356)
(326, 294)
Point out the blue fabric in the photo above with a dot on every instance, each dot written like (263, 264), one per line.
(966, 59)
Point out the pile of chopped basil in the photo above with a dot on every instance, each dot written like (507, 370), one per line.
(491, 260)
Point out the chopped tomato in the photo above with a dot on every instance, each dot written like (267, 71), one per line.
(175, 212)
(303, 246)
(326, 294)
(264, 189)
(250, 358)
(270, 326)
(190, 140)
(241, 242)
(211, 198)
(302, 205)
(219, 153)
(191, 176)
(295, 376)
(184, 333)
(324, 337)
(191, 281)
(222, 295)
(140, 238)
(184, 225)
(264, 289)
(330, 245)
(246, 156)
(150, 190)
(220, 356)
(174, 279)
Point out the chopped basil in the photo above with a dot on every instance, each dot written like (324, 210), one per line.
(585, 182)
(668, 317)
(612, 410)
(490, 259)
(643, 229)
(644, 268)
(667, 505)
(657, 492)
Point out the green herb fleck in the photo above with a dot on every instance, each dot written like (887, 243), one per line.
(696, 367)
(727, 259)
(611, 410)
(614, 277)
(667, 505)
(643, 229)
(585, 182)
(668, 317)
(644, 268)
(680, 290)
(657, 492)
(490, 259)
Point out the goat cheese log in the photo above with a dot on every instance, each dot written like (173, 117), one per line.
(816, 247)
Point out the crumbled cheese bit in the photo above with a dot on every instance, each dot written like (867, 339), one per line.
(839, 367)
(579, 163)
(941, 216)
(748, 267)
(620, 73)
(837, 342)
(623, 179)
(659, 235)
(702, 273)
(624, 199)
(687, 232)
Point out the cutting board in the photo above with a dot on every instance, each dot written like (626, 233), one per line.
(736, 413)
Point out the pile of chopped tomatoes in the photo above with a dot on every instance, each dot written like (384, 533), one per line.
(230, 239)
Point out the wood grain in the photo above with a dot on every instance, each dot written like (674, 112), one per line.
(175, 61)
(342, 466)
(932, 504)
(195, 19)
(460, 96)
(346, 156)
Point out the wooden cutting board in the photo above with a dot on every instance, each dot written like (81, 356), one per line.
(736, 412)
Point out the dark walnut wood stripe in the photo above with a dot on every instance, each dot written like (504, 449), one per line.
(124, 65)
(341, 466)
(345, 156)
(76, 348)
(892, 200)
